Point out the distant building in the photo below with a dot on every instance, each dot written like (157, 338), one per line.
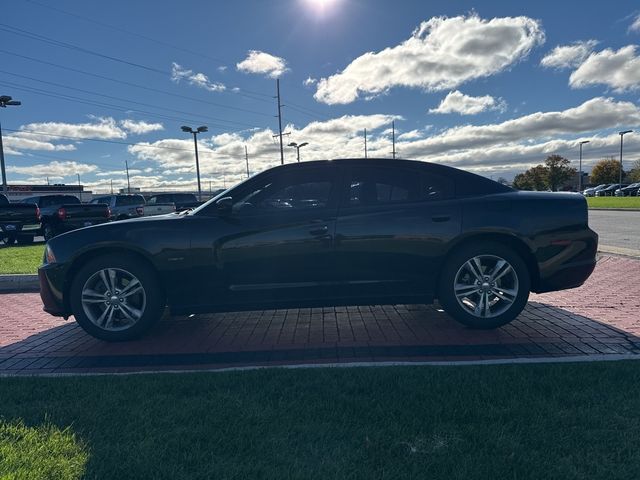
(16, 193)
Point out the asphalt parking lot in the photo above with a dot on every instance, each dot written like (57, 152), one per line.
(616, 228)
(599, 318)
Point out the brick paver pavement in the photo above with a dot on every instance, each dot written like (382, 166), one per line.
(601, 317)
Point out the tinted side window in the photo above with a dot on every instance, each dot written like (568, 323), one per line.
(130, 200)
(380, 186)
(307, 189)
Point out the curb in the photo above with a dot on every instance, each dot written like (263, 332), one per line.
(616, 209)
(19, 283)
(627, 252)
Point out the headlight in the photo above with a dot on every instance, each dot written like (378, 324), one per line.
(49, 257)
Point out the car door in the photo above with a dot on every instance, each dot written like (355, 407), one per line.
(392, 229)
(280, 245)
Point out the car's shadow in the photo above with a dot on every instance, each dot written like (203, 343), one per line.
(329, 335)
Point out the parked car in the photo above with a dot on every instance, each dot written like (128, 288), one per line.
(63, 213)
(152, 209)
(591, 192)
(19, 222)
(325, 233)
(628, 191)
(182, 201)
(123, 206)
(609, 191)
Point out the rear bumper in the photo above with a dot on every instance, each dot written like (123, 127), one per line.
(64, 227)
(569, 276)
(51, 279)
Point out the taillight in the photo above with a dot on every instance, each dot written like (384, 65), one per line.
(140, 211)
(107, 214)
(38, 213)
(62, 213)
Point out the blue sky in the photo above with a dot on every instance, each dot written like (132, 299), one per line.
(492, 87)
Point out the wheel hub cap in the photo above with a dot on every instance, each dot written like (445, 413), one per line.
(486, 286)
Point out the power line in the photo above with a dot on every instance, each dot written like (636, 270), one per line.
(108, 106)
(124, 99)
(129, 32)
(136, 85)
(51, 41)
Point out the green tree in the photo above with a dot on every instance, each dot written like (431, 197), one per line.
(606, 170)
(558, 171)
(536, 178)
(634, 173)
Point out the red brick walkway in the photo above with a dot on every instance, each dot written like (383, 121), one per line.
(601, 317)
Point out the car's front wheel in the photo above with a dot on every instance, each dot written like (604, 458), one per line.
(485, 285)
(116, 297)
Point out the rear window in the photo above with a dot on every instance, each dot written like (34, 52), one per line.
(130, 200)
(58, 200)
(378, 186)
(183, 197)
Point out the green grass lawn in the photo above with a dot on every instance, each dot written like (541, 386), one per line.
(19, 259)
(613, 202)
(515, 421)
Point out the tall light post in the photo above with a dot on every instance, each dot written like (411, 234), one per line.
(298, 147)
(195, 133)
(580, 173)
(622, 134)
(5, 100)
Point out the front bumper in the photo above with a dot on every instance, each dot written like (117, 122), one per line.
(51, 279)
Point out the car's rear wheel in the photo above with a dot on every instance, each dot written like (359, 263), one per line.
(484, 285)
(116, 298)
(25, 240)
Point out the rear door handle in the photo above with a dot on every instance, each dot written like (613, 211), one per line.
(319, 230)
(441, 218)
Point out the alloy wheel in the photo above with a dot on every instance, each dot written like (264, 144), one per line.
(113, 299)
(486, 286)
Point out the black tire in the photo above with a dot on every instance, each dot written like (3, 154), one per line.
(519, 276)
(155, 297)
(25, 240)
(48, 232)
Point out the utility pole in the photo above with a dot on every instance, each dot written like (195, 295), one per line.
(48, 180)
(79, 188)
(246, 157)
(365, 143)
(210, 188)
(393, 137)
(280, 121)
(580, 172)
(5, 100)
(111, 186)
(126, 164)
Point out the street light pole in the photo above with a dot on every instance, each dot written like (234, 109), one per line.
(195, 133)
(5, 100)
(622, 134)
(298, 147)
(580, 174)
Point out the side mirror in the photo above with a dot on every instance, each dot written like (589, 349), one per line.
(224, 205)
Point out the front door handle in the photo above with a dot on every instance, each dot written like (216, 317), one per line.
(319, 230)
(441, 218)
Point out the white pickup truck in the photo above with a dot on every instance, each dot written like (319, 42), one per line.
(152, 208)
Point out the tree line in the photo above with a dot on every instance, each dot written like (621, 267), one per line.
(557, 170)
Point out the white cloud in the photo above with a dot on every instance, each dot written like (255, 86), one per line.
(566, 56)
(263, 63)
(105, 128)
(411, 135)
(178, 73)
(308, 82)
(458, 102)
(635, 26)
(619, 70)
(441, 54)
(140, 127)
(118, 173)
(54, 169)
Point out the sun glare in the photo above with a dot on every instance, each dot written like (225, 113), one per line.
(321, 6)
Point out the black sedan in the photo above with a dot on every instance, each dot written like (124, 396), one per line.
(323, 233)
